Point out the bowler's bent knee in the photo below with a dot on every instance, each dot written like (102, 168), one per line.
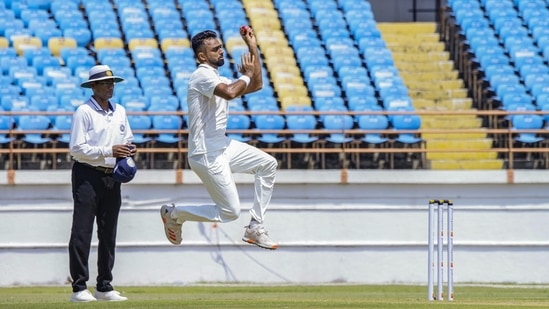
(271, 165)
(231, 215)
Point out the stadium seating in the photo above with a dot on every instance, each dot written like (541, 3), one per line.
(267, 125)
(6, 124)
(528, 122)
(167, 127)
(324, 55)
(28, 124)
(238, 122)
(373, 122)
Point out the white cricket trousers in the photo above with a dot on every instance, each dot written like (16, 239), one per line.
(216, 172)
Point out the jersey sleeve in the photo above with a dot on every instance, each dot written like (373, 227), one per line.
(206, 82)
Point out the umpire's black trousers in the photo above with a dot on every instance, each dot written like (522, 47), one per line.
(96, 197)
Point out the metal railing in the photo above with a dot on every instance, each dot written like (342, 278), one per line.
(15, 154)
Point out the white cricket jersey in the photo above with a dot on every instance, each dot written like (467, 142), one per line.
(207, 112)
(94, 132)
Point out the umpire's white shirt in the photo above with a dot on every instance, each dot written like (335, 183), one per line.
(94, 132)
(207, 112)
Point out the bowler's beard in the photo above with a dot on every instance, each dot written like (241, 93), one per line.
(220, 62)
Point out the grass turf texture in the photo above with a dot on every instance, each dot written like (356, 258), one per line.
(299, 297)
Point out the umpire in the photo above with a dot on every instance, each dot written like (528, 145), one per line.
(100, 134)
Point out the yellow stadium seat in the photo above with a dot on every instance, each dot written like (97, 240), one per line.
(280, 60)
(55, 44)
(423, 103)
(284, 82)
(432, 47)
(421, 57)
(22, 43)
(273, 51)
(269, 37)
(286, 77)
(4, 43)
(167, 43)
(262, 12)
(295, 100)
(265, 24)
(101, 43)
(451, 84)
(258, 4)
(234, 41)
(283, 70)
(134, 43)
(289, 90)
(457, 103)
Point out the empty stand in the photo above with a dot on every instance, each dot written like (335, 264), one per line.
(325, 57)
(499, 45)
(434, 85)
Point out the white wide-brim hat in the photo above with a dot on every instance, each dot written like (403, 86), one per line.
(100, 72)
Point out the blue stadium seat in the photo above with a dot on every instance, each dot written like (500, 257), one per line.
(270, 122)
(6, 123)
(253, 101)
(28, 123)
(527, 122)
(514, 108)
(70, 19)
(406, 122)
(325, 90)
(8, 64)
(80, 61)
(340, 123)
(140, 102)
(139, 123)
(238, 122)
(82, 35)
(166, 102)
(373, 122)
(166, 125)
(9, 102)
(362, 102)
(329, 103)
(322, 5)
(301, 122)
(34, 14)
(62, 123)
(45, 61)
(42, 102)
(397, 102)
(516, 98)
(72, 101)
(158, 90)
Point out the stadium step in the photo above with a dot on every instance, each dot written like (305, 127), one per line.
(463, 164)
(434, 85)
(446, 104)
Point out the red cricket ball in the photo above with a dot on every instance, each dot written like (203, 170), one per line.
(244, 29)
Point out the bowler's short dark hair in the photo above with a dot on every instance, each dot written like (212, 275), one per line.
(198, 39)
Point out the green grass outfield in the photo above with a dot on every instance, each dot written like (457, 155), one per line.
(288, 296)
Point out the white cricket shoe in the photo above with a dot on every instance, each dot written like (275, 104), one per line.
(172, 229)
(260, 237)
(83, 296)
(109, 296)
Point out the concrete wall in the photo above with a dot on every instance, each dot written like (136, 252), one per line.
(371, 228)
(402, 10)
